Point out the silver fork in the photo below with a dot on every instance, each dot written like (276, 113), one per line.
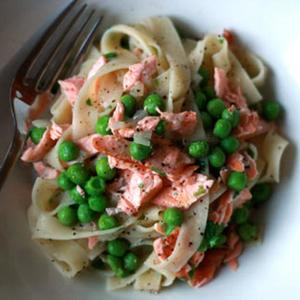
(61, 48)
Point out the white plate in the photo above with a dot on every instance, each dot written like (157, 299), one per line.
(267, 271)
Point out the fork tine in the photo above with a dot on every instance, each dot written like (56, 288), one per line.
(33, 78)
(79, 53)
(42, 41)
(57, 63)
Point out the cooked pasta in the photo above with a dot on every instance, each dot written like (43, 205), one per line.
(156, 155)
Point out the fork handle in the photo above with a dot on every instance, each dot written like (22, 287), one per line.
(11, 156)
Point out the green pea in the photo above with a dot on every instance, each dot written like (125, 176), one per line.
(215, 107)
(230, 144)
(249, 204)
(102, 125)
(160, 128)
(206, 120)
(241, 215)
(237, 181)
(200, 100)
(271, 110)
(222, 128)
(107, 222)
(103, 169)
(95, 186)
(203, 72)
(217, 158)
(118, 247)
(110, 55)
(232, 116)
(213, 229)
(261, 192)
(76, 196)
(64, 182)
(169, 229)
(213, 236)
(217, 241)
(129, 103)
(67, 151)
(173, 216)
(85, 214)
(213, 242)
(199, 149)
(131, 262)
(152, 102)
(204, 245)
(66, 215)
(36, 134)
(209, 92)
(247, 232)
(140, 152)
(121, 273)
(78, 174)
(114, 262)
(98, 203)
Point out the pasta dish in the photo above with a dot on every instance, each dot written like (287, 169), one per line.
(155, 158)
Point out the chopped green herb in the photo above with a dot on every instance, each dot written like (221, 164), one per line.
(192, 272)
(88, 102)
(141, 185)
(221, 40)
(158, 171)
(110, 55)
(156, 82)
(201, 191)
